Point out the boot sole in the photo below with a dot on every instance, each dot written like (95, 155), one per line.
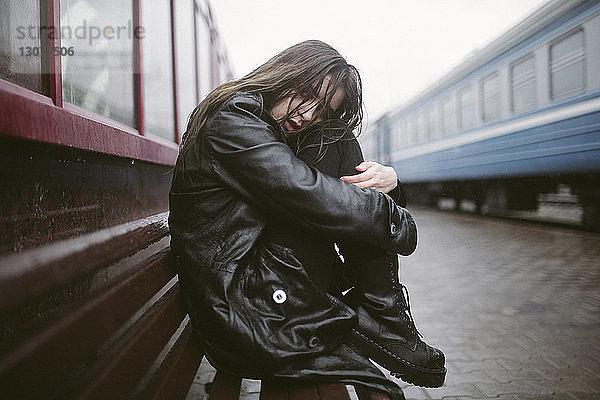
(397, 366)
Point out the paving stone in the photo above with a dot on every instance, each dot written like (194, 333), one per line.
(556, 396)
(592, 383)
(473, 377)
(197, 392)
(466, 367)
(452, 366)
(586, 396)
(206, 373)
(496, 389)
(249, 396)
(567, 372)
(457, 398)
(531, 362)
(560, 385)
(250, 386)
(455, 354)
(414, 393)
(507, 397)
(457, 390)
(506, 376)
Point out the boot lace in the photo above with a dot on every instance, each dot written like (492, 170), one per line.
(407, 311)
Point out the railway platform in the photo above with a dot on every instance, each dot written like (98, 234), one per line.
(514, 305)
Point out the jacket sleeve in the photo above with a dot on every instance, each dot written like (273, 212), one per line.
(398, 194)
(250, 157)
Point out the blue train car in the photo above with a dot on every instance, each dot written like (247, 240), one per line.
(519, 119)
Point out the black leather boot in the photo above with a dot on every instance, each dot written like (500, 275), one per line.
(386, 332)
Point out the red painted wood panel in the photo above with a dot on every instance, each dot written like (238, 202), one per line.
(32, 116)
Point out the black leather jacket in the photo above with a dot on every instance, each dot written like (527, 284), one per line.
(256, 311)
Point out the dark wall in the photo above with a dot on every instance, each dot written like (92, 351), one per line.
(49, 192)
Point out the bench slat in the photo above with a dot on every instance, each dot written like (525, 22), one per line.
(270, 390)
(304, 392)
(47, 358)
(364, 394)
(34, 272)
(127, 362)
(333, 391)
(178, 370)
(274, 390)
(225, 387)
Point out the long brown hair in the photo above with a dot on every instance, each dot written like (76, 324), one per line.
(299, 70)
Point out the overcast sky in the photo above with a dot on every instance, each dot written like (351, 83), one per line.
(399, 46)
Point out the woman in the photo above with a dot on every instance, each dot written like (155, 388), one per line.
(257, 311)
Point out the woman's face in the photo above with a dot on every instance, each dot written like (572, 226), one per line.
(295, 112)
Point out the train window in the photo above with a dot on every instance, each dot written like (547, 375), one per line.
(522, 84)
(204, 45)
(98, 74)
(400, 134)
(422, 127)
(20, 45)
(466, 102)
(186, 62)
(449, 115)
(395, 138)
(411, 129)
(490, 95)
(383, 144)
(432, 120)
(157, 69)
(567, 66)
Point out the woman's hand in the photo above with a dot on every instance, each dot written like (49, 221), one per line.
(373, 175)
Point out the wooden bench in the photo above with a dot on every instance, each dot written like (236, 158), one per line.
(97, 316)
(226, 387)
(100, 316)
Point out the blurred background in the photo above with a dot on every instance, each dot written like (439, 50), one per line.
(399, 47)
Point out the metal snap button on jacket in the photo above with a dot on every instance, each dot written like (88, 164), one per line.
(279, 296)
(393, 229)
(314, 341)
